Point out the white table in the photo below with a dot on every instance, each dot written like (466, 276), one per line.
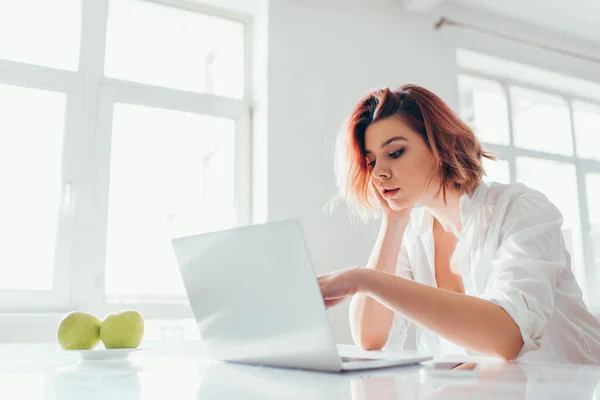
(174, 371)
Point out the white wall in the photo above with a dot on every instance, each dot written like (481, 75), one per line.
(322, 57)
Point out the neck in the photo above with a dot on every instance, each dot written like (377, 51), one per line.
(448, 215)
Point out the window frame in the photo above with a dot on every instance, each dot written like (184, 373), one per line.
(57, 81)
(81, 235)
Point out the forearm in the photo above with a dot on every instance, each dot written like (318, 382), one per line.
(468, 321)
(370, 321)
(384, 256)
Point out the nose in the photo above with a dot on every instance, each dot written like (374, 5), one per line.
(380, 171)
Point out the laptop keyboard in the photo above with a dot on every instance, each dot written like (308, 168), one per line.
(350, 359)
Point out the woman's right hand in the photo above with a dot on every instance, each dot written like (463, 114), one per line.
(387, 212)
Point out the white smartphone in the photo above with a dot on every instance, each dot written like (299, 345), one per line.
(452, 369)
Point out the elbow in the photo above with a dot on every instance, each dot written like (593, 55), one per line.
(508, 355)
(371, 344)
(508, 341)
(511, 350)
(370, 340)
(369, 328)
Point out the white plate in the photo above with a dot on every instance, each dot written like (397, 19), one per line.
(106, 354)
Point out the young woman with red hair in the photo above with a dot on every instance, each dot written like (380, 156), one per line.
(479, 268)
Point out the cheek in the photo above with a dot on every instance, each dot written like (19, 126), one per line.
(409, 170)
(414, 169)
(426, 164)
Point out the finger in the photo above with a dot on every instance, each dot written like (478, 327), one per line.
(373, 187)
(333, 302)
(378, 194)
(321, 283)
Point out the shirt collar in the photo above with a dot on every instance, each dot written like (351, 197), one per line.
(468, 204)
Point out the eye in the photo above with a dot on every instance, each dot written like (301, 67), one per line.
(397, 154)
(371, 164)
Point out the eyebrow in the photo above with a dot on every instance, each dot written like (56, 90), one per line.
(390, 140)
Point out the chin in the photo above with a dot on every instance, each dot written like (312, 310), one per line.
(400, 204)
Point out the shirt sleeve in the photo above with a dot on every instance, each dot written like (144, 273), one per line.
(530, 255)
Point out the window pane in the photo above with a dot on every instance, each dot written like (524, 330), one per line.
(484, 107)
(41, 32)
(496, 171)
(558, 182)
(593, 198)
(165, 46)
(172, 174)
(31, 148)
(541, 122)
(586, 118)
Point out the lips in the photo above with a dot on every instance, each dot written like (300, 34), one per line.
(388, 193)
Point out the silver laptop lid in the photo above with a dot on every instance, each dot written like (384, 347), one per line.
(255, 297)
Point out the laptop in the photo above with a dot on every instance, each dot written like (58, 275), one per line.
(256, 300)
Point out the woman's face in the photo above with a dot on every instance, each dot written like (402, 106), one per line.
(400, 162)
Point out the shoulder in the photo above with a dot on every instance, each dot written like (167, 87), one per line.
(510, 192)
(516, 205)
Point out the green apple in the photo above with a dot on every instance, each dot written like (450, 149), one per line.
(122, 330)
(79, 331)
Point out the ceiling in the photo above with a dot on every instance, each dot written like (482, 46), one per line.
(579, 18)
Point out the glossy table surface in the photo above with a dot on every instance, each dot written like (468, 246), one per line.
(178, 370)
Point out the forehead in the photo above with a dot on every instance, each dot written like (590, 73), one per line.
(382, 130)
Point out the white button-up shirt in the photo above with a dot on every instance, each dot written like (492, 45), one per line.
(510, 251)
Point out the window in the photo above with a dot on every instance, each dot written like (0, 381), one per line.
(541, 121)
(191, 51)
(47, 33)
(182, 183)
(32, 147)
(586, 117)
(123, 124)
(545, 137)
(484, 107)
(496, 170)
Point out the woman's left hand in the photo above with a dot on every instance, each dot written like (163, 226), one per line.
(339, 285)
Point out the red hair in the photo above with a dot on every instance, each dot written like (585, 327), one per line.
(456, 149)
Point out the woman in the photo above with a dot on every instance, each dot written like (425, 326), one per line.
(480, 268)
